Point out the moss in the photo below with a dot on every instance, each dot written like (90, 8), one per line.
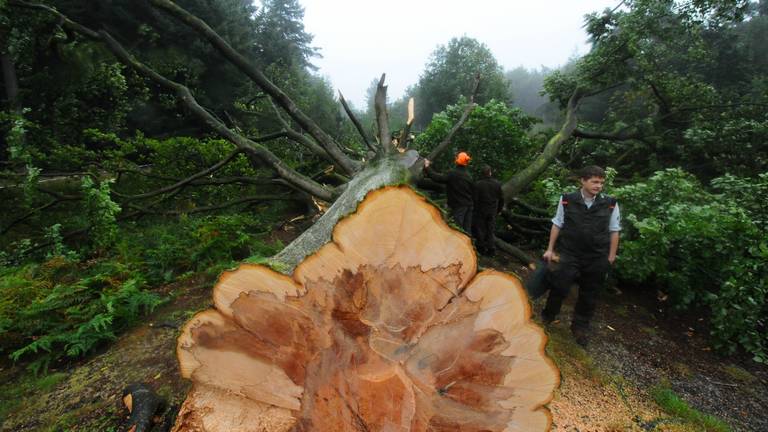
(739, 374)
(386, 172)
(275, 265)
(671, 403)
(16, 394)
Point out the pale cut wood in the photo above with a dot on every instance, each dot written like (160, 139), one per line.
(386, 328)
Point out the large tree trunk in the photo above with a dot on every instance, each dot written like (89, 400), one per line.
(518, 182)
(391, 170)
(11, 83)
(387, 327)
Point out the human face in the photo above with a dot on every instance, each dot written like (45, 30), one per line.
(592, 186)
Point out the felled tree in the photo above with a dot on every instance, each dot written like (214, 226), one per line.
(386, 328)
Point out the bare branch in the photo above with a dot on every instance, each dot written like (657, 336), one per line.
(529, 207)
(509, 215)
(464, 116)
(529, 231)
(186, 181)
(244, 200)
(356, 122)
(35, 211)
(252, 148)
(326, 141)
(622, 135)
(255, 149)
(524, 177)
(603, 90)
(514, 251)
(65, 22)
(406, 132)
(299, 137)
(382, 117)
(269, 137)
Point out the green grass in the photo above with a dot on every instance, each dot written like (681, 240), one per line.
(673, 405)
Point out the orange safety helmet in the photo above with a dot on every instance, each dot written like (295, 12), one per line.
(463, 159)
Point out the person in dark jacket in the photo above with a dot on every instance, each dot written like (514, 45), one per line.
(585, 232)
(459, 189)
(489, 202)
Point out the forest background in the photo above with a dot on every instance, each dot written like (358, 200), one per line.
(112, 186)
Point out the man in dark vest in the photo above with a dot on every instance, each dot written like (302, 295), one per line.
(459, 189)
(585, 232)
(488, 203)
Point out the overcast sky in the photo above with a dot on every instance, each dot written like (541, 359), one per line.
(361, 39)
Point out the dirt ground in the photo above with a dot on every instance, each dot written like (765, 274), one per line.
(636, 347)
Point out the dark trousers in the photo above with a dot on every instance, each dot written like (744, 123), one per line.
(484, 225)
(589, 272)
(463, 218)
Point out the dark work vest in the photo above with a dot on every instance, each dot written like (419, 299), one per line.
(585, 230)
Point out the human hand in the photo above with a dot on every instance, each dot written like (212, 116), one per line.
(611, 259)
(426, 163)
(548, 256)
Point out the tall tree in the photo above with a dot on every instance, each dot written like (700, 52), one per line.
(281, 34)
(451, 72)
(655, 62)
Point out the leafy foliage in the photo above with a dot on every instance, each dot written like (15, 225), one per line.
(704, 249)
(101, 212)
(494, 134)
(66, 308)
(164, 252)
(450, 74)
(56, 315)
(677, 80)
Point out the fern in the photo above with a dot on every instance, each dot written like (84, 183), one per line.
(75, 318)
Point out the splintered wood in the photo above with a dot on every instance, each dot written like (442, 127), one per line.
(386, 328)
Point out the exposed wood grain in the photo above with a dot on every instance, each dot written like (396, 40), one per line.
(386, 328)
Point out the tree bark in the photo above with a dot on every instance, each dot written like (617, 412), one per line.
(464, 117)
(11, 83)
(382, 118)
(387, 327)
(356, 123)
(347, 164)
(142, 404)
(390, 170)
(522, 179)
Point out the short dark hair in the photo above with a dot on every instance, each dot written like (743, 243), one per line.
(587, 173)
(485, 170)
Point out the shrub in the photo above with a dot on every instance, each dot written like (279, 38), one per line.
(703, 249)
(164, 251)
(494, 134)
(53, 314)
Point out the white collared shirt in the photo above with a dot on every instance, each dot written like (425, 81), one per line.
(614, 225)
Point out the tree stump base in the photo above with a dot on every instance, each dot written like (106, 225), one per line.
(386, 328)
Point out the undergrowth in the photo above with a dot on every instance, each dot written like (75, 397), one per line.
(70, 303)
(670, 402)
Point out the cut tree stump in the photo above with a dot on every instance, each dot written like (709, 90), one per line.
(386, 328)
